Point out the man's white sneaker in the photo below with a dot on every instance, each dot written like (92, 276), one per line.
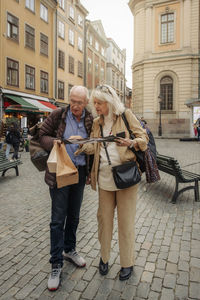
(54, 278)
(74, 257)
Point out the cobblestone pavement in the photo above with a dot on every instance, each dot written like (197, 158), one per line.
(167, 262)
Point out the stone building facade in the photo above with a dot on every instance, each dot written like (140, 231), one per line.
(95, 54)
(166, 64)
(116, 60)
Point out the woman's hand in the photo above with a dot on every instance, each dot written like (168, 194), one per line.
(124, 142)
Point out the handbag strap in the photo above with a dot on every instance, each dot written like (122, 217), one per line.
(127, 126)
(105, 147)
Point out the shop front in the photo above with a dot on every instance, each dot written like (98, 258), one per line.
(194, 105)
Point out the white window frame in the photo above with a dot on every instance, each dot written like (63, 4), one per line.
(61, 29)
(30, 4)
(43, 12)
(71, 12)
(96, 45)
(80, 20)
(80, 43)
(174, 28)
(71, 37)
(61, 4)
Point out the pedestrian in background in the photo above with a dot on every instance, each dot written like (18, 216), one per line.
(13, 139)
(66, 201)
(109, 108)
(198, 128)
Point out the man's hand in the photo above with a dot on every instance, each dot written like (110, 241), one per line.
(59, 142)
(75, 137)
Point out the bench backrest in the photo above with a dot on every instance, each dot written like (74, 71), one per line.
(170, 165)
(3, 156)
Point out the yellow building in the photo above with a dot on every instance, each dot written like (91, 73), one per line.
(27, 51)
(70, 47)
(166, 64)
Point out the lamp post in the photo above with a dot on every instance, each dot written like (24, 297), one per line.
(160, 99)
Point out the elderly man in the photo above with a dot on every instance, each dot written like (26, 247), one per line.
(75, 120)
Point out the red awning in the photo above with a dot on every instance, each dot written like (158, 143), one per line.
(48, 104)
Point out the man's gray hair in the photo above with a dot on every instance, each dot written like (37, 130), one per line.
(81, 89)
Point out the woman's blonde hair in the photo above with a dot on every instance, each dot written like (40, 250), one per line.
(107, 94)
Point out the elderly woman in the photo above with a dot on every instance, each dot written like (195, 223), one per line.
(109, 109)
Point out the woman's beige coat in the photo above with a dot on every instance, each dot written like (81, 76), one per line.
(125, 153)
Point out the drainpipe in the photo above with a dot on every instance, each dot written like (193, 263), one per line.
(85, 56)
(56, 54)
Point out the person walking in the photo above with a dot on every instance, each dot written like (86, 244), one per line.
(109, 109)
(198, 129)
(66, 201)
(13, 139)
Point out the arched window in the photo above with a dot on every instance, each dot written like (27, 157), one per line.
(166, 90)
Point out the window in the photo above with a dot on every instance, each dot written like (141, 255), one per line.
(117, 82)
(80, 44)
(96, 69)
(80, 20)
(29, 37)
(12, 27)
(30, 4)
(121, 81)
(71, 12)
(71, 37)
(30, 77)
(113, 62)
(113, 78)
(166, 90)
(61, 87)
(89, 64)
(61, 59)
(96, 45)
(61, 29)
(167, 28)
(102, 73)
(44, 82)
(43, 44)
(80, 69)
(90, 40)
(102, 51)
(69, 88)
(71, 64)
(62, 4)
(43, 12)
(12, 72)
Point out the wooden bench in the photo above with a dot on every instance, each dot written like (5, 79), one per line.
(171, 166)
(5, 164)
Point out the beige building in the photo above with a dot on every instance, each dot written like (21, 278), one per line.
(166, 63)
(116, 61)
(27, 53)
(95, 55)
(70, 47)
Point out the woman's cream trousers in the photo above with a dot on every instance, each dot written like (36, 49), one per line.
(125, 201)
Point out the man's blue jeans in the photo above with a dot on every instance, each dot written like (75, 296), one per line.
(66, 204)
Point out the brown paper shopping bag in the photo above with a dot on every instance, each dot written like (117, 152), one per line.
(66, 172)
(52, 160)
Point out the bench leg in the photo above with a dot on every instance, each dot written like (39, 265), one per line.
(175, 196)
(196, 191)
(17, 171)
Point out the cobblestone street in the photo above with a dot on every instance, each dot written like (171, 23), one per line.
(167, 262)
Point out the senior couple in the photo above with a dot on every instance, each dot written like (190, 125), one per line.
(77, 121)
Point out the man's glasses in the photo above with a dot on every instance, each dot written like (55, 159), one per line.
(103, 88)
(79, 103)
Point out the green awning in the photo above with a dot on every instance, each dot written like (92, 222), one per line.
(24, 104)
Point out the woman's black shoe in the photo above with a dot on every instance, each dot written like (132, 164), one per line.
(103, 268)
(125, 273)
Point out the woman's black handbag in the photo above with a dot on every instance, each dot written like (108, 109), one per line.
(125, 175)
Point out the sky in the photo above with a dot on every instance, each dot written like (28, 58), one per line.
(117, 20)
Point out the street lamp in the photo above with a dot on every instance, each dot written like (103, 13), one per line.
(160, 99)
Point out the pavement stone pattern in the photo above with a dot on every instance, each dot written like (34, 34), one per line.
(167, 264)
